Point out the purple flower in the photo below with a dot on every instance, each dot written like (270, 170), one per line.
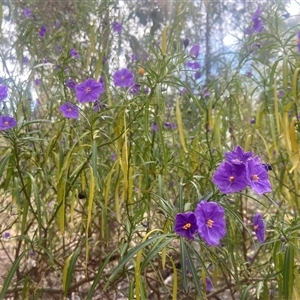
(193, 65)
(197, 75)
(69, 110)
(74, 53)
(32, 254)
(97, 106)
(258, 176)
(58, 49)
(280, 94)
(71, 84)
(259, 227)
(230, 178)
(252, 120)
(183, 91)
(113, 156)
(208, 284)
(135, 89)
(249, 74)
(89, 91)
(25, 60)
(134, 57)
(205, 92)
(37, 81)
(101, 80)
(7, 122)
(257, 24)
(3, 92)
(186, 43)
(144, 56)
(194, 52)
(298, 41)
(167, 125)
(123, 78)
(186, 225)
(155, 127)
(211, 222)
(6, 235)
(57, 24)
(117, 27)
(27, 13)
(42, 31)
(238, 156)
(286, 15)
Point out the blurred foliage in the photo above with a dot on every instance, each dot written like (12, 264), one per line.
(88, 205)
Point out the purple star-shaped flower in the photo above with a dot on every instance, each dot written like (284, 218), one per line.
(71, 84)
(3, 92)
(257, 24)
(27, 13)
(117, 27)
(74, 53)
(230, 178)
(211, 222)
(238, 156)
(7, 122)
(194, 52)
(193, 65)
(123, 78)
(42, 31)
(258, 176)
(69, 110)
(186, 225)
(259, 227)
(89, 91)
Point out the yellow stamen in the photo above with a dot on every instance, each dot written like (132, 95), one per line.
(187, 226)
(255, 227)
(231, 178)
(88, 89)
(6, 123)
(210, 223)
(69, 109)
(255, 177)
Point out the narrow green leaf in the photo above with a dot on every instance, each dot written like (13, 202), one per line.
(8, 279)
(38, 204)
(98, 276)
(68, 270)
(288, 270)
(130, 255)
(194, 273)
